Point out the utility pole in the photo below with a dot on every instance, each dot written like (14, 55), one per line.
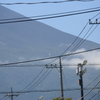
(81, 80)
(96, 22)
(81, 72)
(61, 80)
(11, 95)
(61, 77)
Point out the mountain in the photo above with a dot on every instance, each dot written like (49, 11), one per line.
(31, 40)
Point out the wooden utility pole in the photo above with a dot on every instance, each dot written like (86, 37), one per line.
(61, 77)
(61, 80)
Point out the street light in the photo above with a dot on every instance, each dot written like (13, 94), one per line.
(80, 71)
(41, 98)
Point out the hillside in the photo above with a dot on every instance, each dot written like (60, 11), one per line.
(31, 40)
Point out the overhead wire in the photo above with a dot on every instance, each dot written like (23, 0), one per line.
(34, 79)
(83, 40)
(44, 2)
(46, 90)
(35, 84)
(48, 14)
(50, 90)
(85, 86)
(58, 89)
(71, 11)
(28, 61)
(29, 86)
(72, 42)
(40, 80)
(95, 16)
(89, 91)
(34, 65)
(75, 39)
(93, 96)
(54, 16)
(99, 18)
(97, 97)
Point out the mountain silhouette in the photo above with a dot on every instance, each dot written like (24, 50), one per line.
(31, 40)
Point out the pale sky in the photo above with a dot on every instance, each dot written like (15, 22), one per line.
(69, 24)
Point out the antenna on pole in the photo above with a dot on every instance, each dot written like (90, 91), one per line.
(80, 72)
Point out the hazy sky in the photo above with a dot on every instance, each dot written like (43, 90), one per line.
(70, 24)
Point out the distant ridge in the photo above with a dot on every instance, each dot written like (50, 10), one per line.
(32, 39)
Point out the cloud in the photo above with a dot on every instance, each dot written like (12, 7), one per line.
(2, 43)
(64, 45)
(92, 57)
(21, 58)
(4, 62)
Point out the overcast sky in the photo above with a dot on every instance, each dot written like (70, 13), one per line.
(70, 24)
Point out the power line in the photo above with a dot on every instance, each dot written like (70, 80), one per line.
(27, 65)
(55, 16)
(81, 41)
(50, 14)
(51, 90)
(40, 80)
(93, 96)
(75, 39)
(50, 57)
(33, 79)
(95, 16)
(32, 86)
(54, 90)
(37, 82)
(85, 86)
(44, 2)
(89, 91)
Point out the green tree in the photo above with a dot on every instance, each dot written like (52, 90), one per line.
(56, 98)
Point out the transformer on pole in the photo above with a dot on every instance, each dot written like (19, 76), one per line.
(80, 72)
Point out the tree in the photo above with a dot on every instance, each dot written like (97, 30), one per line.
(56, 98)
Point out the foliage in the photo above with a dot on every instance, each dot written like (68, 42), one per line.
(60, 98)
(56, 98)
